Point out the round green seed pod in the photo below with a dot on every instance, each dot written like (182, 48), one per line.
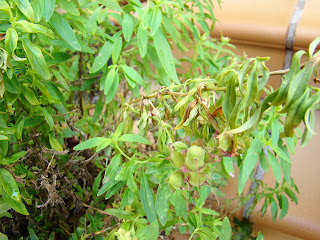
(196, 179)
(195, 158)
(176, 156)
(176, 180)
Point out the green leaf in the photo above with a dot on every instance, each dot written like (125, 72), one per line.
(155, 20)
(133, 75)
(249, 163)
(64, 30)
(126, 171)
(122, 214)
(162, 201)
(98, 110)
(11, 40)
(70, 7)
(9, 185)
(3, 137)
(275, 166)
(60, 78)
(47, 8)
(228, 165)
(36, 58)
(147, 199)
(96, 184)
(90, 143)
(25, 7)
(313, 46)
(285, 165)
(149, 232)
(29, 95)
(111, 4)
(112, 84)
(274, 209)
(275, 132)
(33, 28)
(260, 236)
(252, 88)
(127, 26)
(142, 37)
(16, 205)
(54, 143)
(282, 154)
(4, 7)
(226, 230)
(15, 157)
(102, 58)
(116, 50)
(3, 236)
(284, 206)
(112, 168)
(134, 138)
(164, 52)
(229, 100)
(179, 202)
(32, 234)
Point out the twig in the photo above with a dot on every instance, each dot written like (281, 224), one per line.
(97, 209)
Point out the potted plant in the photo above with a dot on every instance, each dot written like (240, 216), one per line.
(89, 150)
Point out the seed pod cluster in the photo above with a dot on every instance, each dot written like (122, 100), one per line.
(191, 164)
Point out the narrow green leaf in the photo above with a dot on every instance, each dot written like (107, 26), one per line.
(228, 165)
(284, 206)
(133, 75)
(36, 58)
(229, 100)
(54, 143)
(134, 138)
(4, 7)
(127, 26)
(126, 171)
(275, 132)
(116, 50)
(179, 202)
(33, 28)
(15, 205)
(162, 201)
(9, 185)
(142, 37)
(147, 199)
(47, 8)
(249, 162)
(11, 40)
(26, 8)
(98, 110)
(122, 214)
(113, 87)
(155, 20)
(111, 4)
(275, 166)
(112, 168)
(90, 143)
(29, 95)
(149, 232)
(282, 154)
(252, 88)
(60, 78)
(274, 209)
(32, 234)
(102, 58)
(285, 164)
(313, 46)
(64, 30)
(165, 55)
(226, 230)
(48, 118)
(70, 7)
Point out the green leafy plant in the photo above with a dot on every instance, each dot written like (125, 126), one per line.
(104, 134)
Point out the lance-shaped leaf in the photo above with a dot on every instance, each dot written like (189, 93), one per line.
(149, 232)
(26, 8)
(36, 58)
(47, 8)
(147, 199)
(249, 163)
(164, 52)
(33, 28)
(102, 58)
(9, 185)
(134, 138)
(127, 26)
(11, 40)
(64, 30)
(162, 201)
(90, 143)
